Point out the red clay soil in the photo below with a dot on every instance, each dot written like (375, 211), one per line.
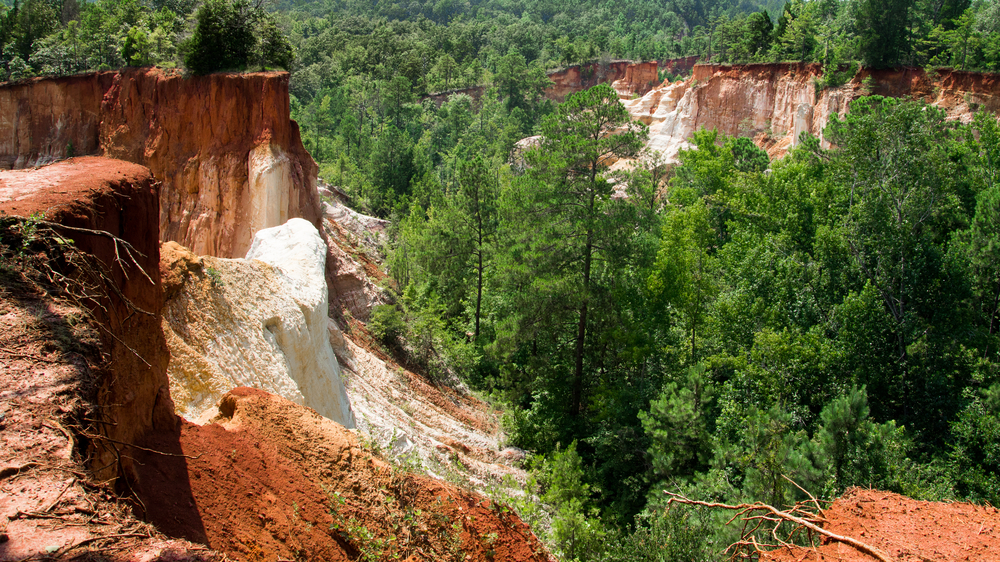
(120, 199)
(272, 480)
(68, 389)
(51, 508)
(904, 530)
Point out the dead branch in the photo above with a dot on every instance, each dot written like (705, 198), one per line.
(745, 508)
(59, 497)
(4, 355)
(8, 471)
(66, 549)
(154, 451)
(819, 510)
(130, 250)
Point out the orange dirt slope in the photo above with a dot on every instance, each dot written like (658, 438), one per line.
(273, 480)
(903, 529)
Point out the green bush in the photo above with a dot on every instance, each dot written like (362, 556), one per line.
(235, 35)
(387, 324)
(676, 534)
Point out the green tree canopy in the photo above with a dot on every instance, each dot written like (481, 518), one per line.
(236, 35)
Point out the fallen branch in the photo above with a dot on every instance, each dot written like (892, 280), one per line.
(154, 451)
(59, 497)
(66, 549)
(8, 471)
(745, 508)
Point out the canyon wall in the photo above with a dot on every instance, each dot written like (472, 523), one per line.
(120, 199)
(775, 103)
(228, 157)
(639, 78)
(628, 78)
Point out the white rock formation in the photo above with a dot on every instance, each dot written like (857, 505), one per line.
(269, 172)
(775, 103)
(258, 322)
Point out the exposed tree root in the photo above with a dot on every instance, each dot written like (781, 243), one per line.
(758, 514)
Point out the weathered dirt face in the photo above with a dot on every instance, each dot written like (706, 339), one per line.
(270, 480)
(904, 530)
(639, 79)
(229, 158)
(58, 443)
(775, 103)
(92, 194)
(274, 480)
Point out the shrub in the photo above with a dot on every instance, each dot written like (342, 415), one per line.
(235, 35)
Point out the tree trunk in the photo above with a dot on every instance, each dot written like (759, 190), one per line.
(581, 330)
(479, 292)
(993, 318)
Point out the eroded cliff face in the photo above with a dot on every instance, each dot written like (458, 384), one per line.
(639, 78)
(118, 198)
(259, 322)
(227, 155)
(775, 103)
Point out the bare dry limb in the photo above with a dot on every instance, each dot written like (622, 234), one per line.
(759, 513)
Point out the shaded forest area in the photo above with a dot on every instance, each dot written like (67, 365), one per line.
(709, 328)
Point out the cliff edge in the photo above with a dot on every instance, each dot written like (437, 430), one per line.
(223, 147)
(775, 103)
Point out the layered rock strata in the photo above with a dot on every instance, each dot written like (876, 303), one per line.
(639, 79)
(228, 157)
(259, 322)
(776, 103)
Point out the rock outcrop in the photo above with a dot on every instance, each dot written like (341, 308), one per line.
(223, 147)
(259, 322)
(639, 79)
(775, 103)
(353, 272)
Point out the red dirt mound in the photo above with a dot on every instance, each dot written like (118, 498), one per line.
(904, 530)
(273, 480)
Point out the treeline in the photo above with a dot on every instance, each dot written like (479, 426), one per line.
(362, 66)
(447, 43)
(58, 37)
(959, 33)
(831, 317)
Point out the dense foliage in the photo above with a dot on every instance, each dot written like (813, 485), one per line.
(442, 44)
(53, 37)
(711, 327)
(830, 317)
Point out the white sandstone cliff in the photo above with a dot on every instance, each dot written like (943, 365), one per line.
(259, 322)
(775, 103)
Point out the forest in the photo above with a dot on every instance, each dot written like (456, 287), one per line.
(718, 328)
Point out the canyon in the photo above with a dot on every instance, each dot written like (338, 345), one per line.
(217, 385)
(247, 288)
(227, 156)
(775, 103)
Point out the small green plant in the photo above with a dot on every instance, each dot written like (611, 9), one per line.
(29, 230)
(215, 276)
(454, 539)
(490, 541)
